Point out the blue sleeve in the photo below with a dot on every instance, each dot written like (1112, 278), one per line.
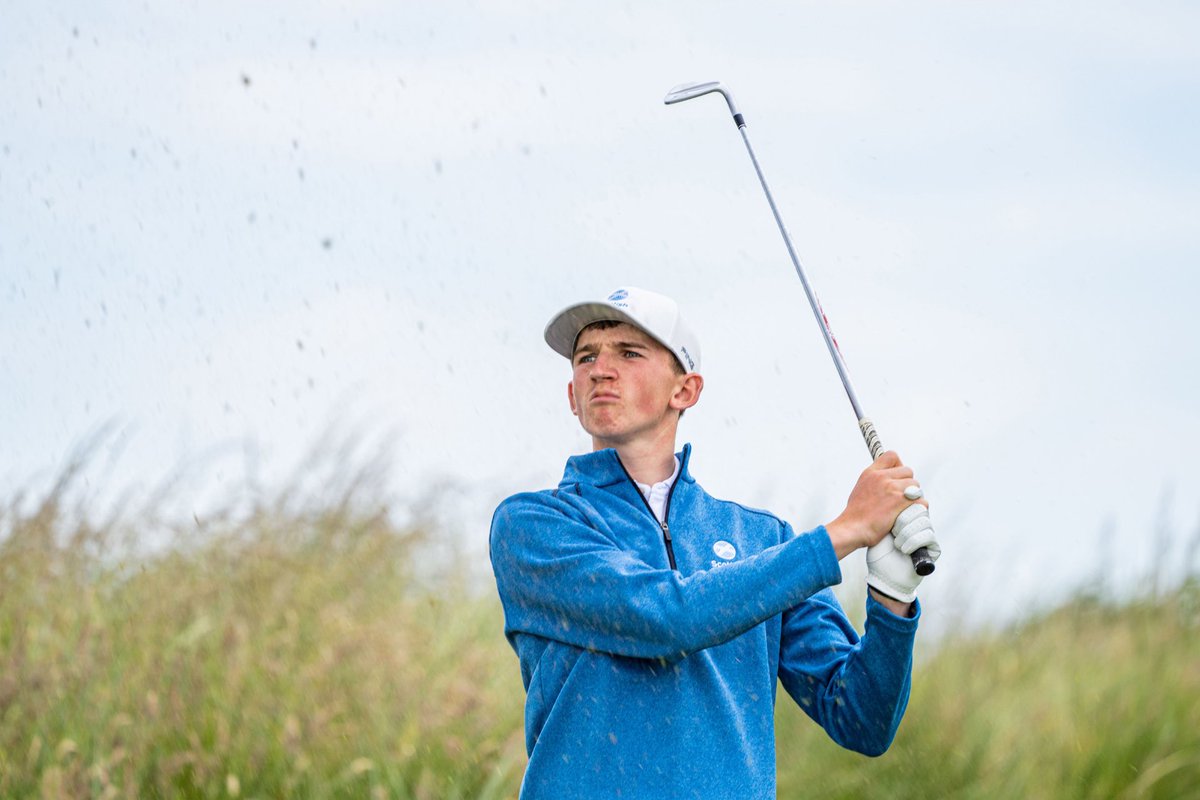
(856, 689)
(561, 578)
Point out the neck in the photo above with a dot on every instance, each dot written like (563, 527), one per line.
(646, 460)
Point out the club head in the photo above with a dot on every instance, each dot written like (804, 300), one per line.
(686, 91)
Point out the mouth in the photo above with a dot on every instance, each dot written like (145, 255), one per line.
(604, 397)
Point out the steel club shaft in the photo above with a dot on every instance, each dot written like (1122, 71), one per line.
(922, 562)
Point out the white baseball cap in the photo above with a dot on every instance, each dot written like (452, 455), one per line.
(656, 314)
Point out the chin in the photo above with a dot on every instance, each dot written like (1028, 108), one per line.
(600, 432)
(608, 433)
(599, 427)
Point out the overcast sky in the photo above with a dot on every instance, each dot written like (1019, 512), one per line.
(227, 227)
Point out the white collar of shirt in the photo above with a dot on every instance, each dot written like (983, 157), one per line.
(656, 495)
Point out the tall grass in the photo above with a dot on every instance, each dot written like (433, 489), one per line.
(286, 652)
(1092, 700)
(283, 654)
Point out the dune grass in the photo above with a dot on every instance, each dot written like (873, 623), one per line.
(1088, 701)
(287, 654)
(294, 653)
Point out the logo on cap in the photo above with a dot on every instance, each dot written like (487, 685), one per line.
(618, 296)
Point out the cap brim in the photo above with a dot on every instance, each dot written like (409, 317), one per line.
(564, 328)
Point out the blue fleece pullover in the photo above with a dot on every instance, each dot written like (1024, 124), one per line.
(644, 681)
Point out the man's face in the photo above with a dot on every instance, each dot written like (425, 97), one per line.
(624, 385)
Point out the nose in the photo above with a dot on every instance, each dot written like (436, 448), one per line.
(604, 367)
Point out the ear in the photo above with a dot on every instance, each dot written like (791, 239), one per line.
(687, 391)
(571, 397)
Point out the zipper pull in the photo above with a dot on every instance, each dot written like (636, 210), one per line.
(667, 543)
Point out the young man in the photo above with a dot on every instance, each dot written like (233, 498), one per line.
(652, 621)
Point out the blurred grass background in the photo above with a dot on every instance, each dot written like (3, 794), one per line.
(292, 650)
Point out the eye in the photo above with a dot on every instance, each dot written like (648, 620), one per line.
(632, 354)
(585, 359)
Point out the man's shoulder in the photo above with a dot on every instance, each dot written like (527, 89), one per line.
(734, 507)
(539, 497)
(563, 500)
(515, 503)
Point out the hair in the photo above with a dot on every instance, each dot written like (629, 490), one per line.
(605, 324)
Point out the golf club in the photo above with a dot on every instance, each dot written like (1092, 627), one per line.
(922, 562)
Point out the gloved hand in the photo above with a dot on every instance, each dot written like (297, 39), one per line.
(913, 530)
(889, 567)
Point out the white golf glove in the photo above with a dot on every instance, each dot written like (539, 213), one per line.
(889, 565)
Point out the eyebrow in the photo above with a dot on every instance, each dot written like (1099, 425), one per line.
(623, 345)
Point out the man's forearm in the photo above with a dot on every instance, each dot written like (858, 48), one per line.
(562, 580)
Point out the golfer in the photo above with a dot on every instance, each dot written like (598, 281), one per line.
(652, 621)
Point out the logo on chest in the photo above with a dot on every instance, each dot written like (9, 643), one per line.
(724, 551)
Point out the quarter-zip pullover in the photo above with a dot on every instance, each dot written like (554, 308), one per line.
(644, 680)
